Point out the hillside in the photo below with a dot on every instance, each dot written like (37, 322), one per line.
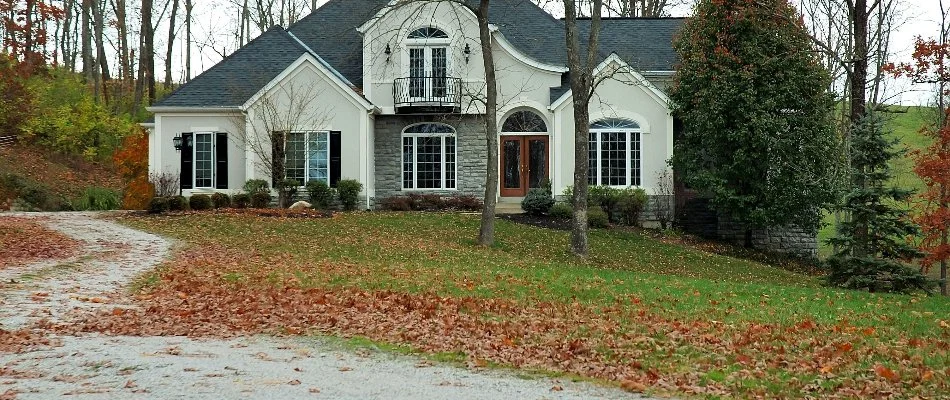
(48, 177)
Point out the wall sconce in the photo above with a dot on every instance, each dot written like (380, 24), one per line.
(177, 142)
(468, 52)
(388, 52)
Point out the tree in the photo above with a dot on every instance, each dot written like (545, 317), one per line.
(582, 89)
(170, 45)
(486, 231)
(872, 245)
(930, 66)
(757, 116)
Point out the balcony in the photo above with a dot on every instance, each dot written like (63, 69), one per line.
(427, 94)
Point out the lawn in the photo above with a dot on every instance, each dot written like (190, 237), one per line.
(641, 313)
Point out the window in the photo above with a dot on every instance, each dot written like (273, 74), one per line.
(204, 160)
(428, 157)
(428, 63)
(308, 157)
(524, 121)
(614, 153)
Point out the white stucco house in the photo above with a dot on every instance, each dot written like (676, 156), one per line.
(388, 93)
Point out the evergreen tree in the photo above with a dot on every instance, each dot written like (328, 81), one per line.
(872, 245)
(759, 135)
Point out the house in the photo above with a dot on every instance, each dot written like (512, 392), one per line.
(389, 93)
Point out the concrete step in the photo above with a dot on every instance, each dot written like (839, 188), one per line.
(508, 208)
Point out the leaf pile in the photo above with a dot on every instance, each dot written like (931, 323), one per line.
(24, 240)
(23, 340)
(215, 291)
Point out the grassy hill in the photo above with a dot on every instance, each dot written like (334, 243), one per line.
(49, 180)
(905, 124)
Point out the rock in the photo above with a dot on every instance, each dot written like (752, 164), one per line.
(300, 205)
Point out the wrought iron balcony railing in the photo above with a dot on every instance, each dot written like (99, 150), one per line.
(428, 92)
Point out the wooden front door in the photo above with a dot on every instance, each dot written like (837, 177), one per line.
(524, 164)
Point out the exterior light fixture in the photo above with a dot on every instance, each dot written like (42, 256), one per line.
(468, 52)
(177, 142)
(388, 52)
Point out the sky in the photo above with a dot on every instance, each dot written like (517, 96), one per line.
(212, 19)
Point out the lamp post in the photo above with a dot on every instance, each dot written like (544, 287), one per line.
(177, 142)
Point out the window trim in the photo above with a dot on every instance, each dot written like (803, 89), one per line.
(306, 151)
(415, 150)
(629, 132)
(194, 160)
(544, 120)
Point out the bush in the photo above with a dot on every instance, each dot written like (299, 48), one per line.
(256, 186)
(200, 202)
(349, 191)
(561, 210)
(537, 202)
(177, 203)
(221, 200)
(875, 275)
(597, 218)
(241, 200)
(321, 196)
(464, 203)
(631, 205)
(607, 198)
(288, 191)
(260, 199)
(396, 203)
(97, 199)
(158, 205)
(426, 202)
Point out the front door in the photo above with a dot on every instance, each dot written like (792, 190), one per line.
(524, 164)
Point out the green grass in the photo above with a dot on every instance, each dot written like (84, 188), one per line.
(436, 253)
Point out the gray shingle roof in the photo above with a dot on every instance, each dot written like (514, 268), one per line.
(239, 76)
(330, 31)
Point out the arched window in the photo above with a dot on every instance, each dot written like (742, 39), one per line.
(614, 152)
(428, 156)
(428, 32)
(428, 63)
(524, 121)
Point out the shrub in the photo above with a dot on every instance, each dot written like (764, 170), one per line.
(321, 196)
(349, 191)
(464, 203)
(177, 203)
(221, 200)
(875, 275)
(607, 198)
(287, 191)
(200, 202)
(597, 218)
(256, 186)
(97, 199)
(396, 203)
(631, 205)
(241, 200)
(426, 202)
(260, 199)
(158, 205)
(537, 202)
(166, 184)
(561, 210)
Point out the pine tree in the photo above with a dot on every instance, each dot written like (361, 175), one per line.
(872, 246)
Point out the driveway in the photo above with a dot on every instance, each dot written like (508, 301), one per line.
(105, 367)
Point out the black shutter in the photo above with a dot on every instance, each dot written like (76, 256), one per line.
(334, 157)
(187, 159)
(221, 155)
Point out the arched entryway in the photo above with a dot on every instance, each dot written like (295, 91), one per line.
(525, 153)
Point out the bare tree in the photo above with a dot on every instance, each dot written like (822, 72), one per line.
(146, 72)
(188, 7)
(663, 206)
(170, 45)
(582, 88)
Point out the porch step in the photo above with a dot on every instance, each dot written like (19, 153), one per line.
(508, 208)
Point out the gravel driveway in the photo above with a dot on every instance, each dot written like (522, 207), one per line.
(106, 367)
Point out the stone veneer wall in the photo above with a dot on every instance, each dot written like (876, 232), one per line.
(698, 218)
(471, 153)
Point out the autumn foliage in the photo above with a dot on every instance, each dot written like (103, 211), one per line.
(131, 162)
(931, 63)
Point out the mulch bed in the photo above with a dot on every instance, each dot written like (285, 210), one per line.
(539, 221)
(258, 212)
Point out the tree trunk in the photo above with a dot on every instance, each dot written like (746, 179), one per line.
(145, 81)
(167, 84)
(188, 6)
(278, 143)
(99, 21)
(486, 232)
(87, 63)
(858, 94)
